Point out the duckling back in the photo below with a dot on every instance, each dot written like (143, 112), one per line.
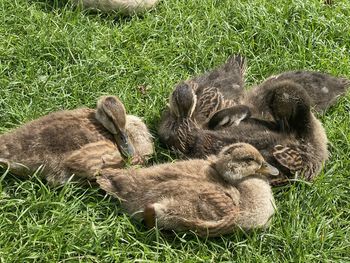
(323, 89)
(48, 139)
(140, 136)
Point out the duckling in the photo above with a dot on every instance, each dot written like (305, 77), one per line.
(212, 196)
(179, 128)
(177, 119)
(292, 139)
(218, 89)
(79, 142)
(289, 105)
(126, 6)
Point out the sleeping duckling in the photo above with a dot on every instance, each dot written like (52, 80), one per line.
(179, 129)
(185, 110)
(79, 142)
(293, 140)
(126, 6)
(212, 197)
(322, 90)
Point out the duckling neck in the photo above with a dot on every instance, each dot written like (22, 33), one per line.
(256, 202)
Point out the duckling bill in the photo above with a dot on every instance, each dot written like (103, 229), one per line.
(78, 142)
(212, 196)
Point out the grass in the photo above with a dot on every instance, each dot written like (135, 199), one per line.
(55, 57)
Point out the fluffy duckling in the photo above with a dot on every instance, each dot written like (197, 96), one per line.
(79, 142)
(179, 129)
(293, 139)
(126, 6)
(177, 120)
(212, 197)
(216, 90)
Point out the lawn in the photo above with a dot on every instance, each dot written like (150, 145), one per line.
(56, 57)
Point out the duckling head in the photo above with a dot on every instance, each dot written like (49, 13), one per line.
(240, 160)
(111, 114)
(182, 101)
(290, 105)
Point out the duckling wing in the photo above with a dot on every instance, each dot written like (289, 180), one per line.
(215, 203)
(217, 210)
(324, 89)
(91, 158)
(218, 89)
(299, 160)
(209, 101)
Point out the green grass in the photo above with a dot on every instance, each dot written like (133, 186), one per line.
(55, 57)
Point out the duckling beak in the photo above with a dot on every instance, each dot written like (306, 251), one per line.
(268, 169)
(124, 144)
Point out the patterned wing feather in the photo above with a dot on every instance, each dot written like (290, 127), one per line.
(288, 157)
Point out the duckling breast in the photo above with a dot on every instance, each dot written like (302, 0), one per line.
(257, 204)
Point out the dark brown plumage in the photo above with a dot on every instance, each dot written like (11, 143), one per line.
(212, 197)
(218, 89)
(322, 88)
(275, 117)
(76, 142)
(228, 78)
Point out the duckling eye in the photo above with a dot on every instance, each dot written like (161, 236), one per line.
(122, 138)
(228, 152)
(248, 159)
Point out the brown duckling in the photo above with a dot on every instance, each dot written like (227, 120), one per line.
(79, 142)
(179, 129)
(293, 139)
(212, 196)
(186, 111)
